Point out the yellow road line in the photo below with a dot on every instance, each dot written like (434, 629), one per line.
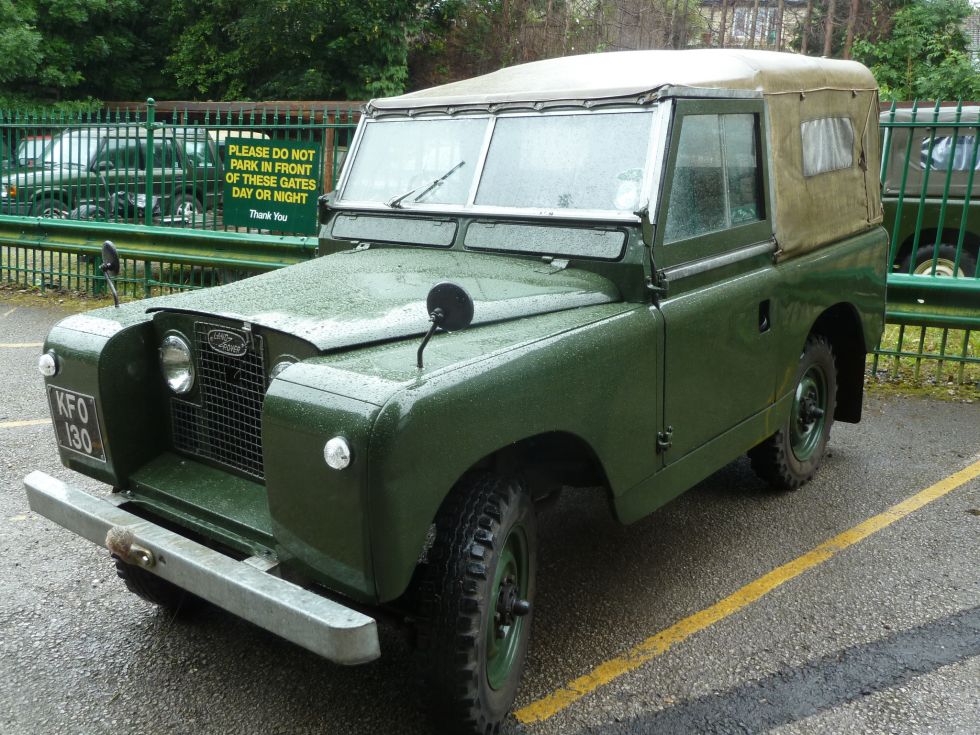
(663, 641)
(17, 424)
(21, 344)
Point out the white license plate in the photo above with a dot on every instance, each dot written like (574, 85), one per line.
(76, 422)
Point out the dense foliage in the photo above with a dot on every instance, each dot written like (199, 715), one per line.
(356, 49)
(924, 54)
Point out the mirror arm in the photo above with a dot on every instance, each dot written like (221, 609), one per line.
(436, 318)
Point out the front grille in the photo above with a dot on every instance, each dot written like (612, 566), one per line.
(226, 424)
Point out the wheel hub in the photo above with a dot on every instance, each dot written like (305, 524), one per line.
(509, 606)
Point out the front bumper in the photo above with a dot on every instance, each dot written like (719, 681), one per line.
(316, 623)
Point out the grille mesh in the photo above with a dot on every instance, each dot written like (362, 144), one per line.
(227, 425)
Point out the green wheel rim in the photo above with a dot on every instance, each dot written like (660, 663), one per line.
(503, 641)
(808, 417)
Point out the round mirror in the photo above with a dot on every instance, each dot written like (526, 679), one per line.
(110, 259)
(454, 303)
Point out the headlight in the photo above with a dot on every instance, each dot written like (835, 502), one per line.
(280, 366)
(177, 365)
(337, 453)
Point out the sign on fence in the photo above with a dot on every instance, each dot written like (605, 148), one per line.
(272, 184)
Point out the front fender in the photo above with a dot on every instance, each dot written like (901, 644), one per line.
(596, 381)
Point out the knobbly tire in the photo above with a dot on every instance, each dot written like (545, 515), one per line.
(473, 597)
(156, 590)
(789, 458)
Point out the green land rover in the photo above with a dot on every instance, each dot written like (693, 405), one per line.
(932, 159)
(82, 168)
(617, 271)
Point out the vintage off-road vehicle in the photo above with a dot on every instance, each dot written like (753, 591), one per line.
(618, 271)
(929, 165)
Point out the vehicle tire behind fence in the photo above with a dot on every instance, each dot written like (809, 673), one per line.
(186, 207)
(156, 590)
(945, 262)
(51, 209)
(789, 458)
(474, 592)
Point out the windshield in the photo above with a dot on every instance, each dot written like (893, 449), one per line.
(71, 149)
(542, 162)
(29, 149)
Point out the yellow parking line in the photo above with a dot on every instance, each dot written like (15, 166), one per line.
(21, 344)
(18, 424)
(663, 641)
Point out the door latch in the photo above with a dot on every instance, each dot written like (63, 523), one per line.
(665, 439)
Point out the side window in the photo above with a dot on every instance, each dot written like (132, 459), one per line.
(717, 181)
(164, 155)
(959, 147)
(122, 154)
(828, 145)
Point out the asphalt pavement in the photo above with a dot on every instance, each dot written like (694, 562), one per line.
(883, 636)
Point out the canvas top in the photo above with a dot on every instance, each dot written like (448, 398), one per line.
(631, 74)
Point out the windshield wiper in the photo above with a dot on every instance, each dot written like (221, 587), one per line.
(396, 202)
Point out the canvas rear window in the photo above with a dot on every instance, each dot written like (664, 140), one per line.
(828, 145)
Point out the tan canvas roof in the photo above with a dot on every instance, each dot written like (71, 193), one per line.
(634, 73)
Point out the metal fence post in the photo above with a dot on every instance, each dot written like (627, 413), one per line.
(150, 124)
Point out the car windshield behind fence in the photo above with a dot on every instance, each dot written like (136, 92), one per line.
(533, 162)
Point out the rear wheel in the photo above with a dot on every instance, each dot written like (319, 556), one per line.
(945, 262)
(789, 458)
(187, 207)
(156, 590)
(474, 603)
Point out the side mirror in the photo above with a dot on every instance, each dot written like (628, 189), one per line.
(110, 259)
(450, 308)
(110, 268)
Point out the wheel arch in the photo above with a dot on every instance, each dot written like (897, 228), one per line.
(841, 326)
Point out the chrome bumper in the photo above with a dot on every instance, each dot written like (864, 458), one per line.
(320, 625)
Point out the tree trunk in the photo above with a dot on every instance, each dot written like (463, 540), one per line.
(724, 24)
(828, 33)
(851, 22)
(779, 26)
(755, 22)
(806, 25)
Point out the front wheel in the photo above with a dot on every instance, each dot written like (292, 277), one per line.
(789, 458)
(475, 590)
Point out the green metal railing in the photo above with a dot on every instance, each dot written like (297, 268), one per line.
(928, 170)
(149, 177)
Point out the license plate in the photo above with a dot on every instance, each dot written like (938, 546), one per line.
(76, 422)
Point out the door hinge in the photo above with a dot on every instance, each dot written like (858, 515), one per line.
(665, 439)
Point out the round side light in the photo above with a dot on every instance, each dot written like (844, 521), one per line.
(177, 364)
(47, 364)
(337, 453)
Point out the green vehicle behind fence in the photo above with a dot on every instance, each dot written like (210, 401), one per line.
(80, 169)
(617, 271)
(928, 186)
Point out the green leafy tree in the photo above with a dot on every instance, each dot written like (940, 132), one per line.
(924, 56)
(302, 49)
(19, 42)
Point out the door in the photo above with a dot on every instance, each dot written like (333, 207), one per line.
(714, 248)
